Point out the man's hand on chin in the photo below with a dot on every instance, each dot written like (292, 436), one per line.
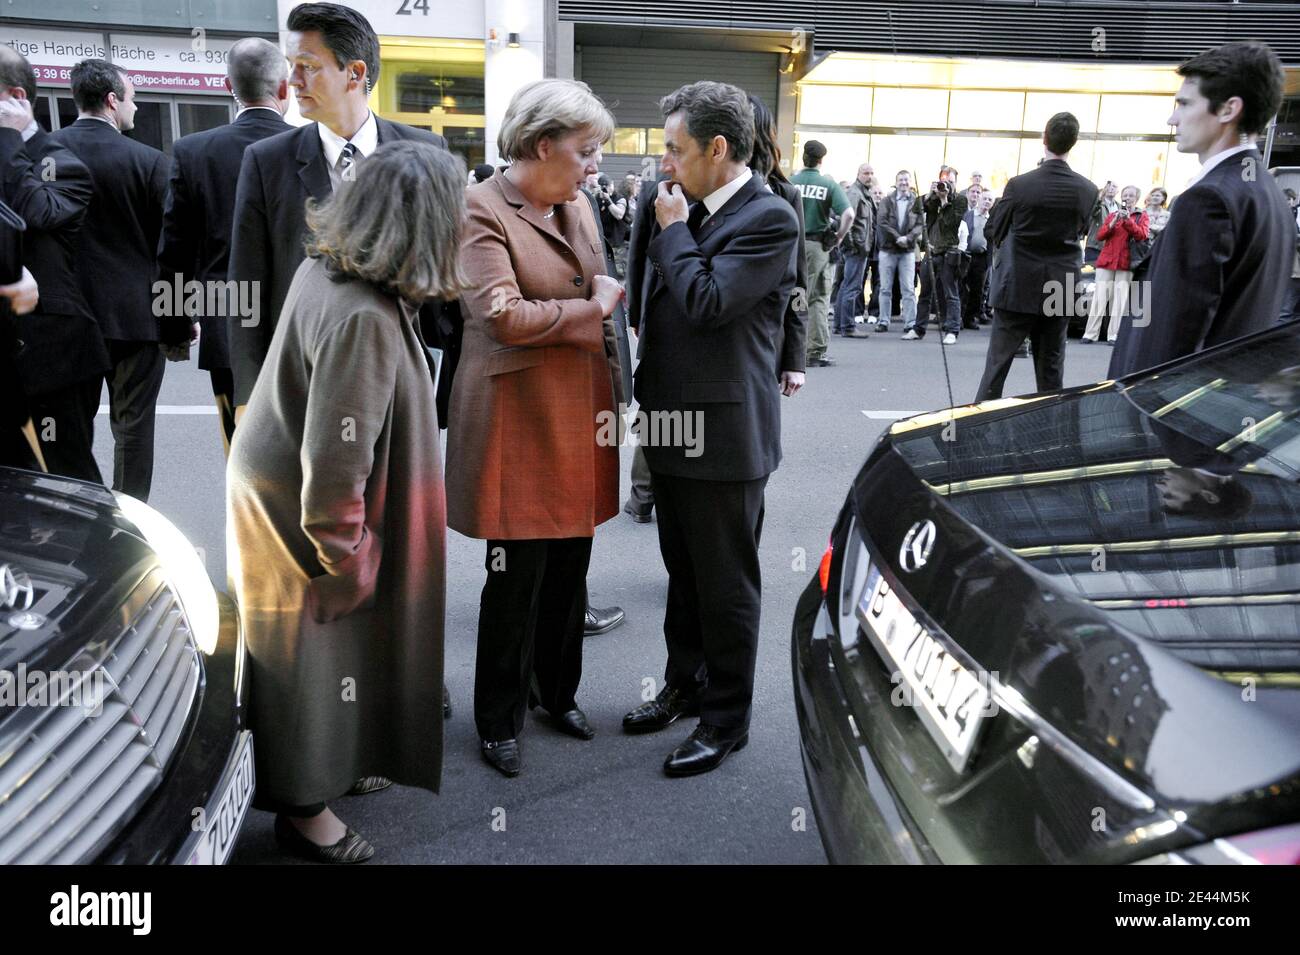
(670, 204)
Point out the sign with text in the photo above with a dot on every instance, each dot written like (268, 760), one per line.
(52, 53)
(452, 19)
(172, 64)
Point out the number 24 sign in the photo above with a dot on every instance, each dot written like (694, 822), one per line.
(408, 8)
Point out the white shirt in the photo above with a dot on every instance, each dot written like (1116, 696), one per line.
(30, 131)
(1215, 160)
(366, 139)
(718, 197)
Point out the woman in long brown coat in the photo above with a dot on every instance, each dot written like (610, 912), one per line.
(536, 382)
(336, 514)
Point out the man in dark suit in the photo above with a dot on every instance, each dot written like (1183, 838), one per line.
(1221, 266)
(19, 294)
(724, 269)
(1036, 228)
(115, 258)
(61, 358)
(199, 214)
(334, 63)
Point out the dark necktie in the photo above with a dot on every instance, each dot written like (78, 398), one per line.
(696, 217)
(347, 164)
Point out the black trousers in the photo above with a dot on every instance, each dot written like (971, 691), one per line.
(642, 497)
(1046, 337)
(133, 385)
(973, 292)
(939, 279)
(530, 624)
(65, 428)
(709, 534)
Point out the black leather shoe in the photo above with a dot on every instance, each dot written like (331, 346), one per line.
(703, 750)
(351, 848)
(601, 621)
(446, 702)
(369, 784)
(574, 723)
(502, 755)
(664, 710)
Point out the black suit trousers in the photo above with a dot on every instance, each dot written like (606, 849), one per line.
(1046, 337)
(530, 622)
(133, 385)
(65, 428)
(709, 534)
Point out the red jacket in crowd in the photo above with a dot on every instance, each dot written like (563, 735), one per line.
(1115, 233)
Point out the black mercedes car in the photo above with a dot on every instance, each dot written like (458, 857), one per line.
(1066, 628)
(122, 692)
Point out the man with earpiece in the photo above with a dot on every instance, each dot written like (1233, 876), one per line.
(333, 57)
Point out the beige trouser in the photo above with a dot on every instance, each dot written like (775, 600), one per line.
(1111, 287)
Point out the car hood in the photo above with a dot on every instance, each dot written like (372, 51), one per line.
(68, 557)
(1078, 486)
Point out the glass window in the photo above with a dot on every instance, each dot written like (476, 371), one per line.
(67, 110)
(655, 141)
(41, 110)
(435, 84)
(996, 158)
(980, 109)
(196, 117)
(1135, 114)
(1130, 163)
(627, 140)
(1179, 168)
(835, 105)
(153, 124)
(845, 152)
(920, 155)
(910, 108)
(1040, 107)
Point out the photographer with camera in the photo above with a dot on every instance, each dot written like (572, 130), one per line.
(614, 220)
(941, 271)
(823, 198)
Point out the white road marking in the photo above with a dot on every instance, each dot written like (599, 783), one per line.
(175, 409)
(890, 415)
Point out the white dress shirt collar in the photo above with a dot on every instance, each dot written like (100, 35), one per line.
(30, 131)
(1215, 160)
(719, 197)
(366, 139)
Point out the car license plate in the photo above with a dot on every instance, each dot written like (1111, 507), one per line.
(224, 815)
(949, 699)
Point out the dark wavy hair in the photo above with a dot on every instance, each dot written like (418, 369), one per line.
(766, 160)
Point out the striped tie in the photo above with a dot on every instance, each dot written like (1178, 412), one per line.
(347, 164)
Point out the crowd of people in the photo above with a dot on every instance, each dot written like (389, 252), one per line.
(347, 250)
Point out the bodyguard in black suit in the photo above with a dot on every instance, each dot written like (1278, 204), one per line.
(334, 63)
(723, 273)
(116, 252)
(199, 215)
(60, 357)
(1221, 266)
(1036, 227)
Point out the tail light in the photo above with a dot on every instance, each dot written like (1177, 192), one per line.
(824, 569)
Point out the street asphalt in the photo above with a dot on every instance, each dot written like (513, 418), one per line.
(607, 800)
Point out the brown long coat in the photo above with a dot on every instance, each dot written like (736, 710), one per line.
(538, 366)
(336, 533)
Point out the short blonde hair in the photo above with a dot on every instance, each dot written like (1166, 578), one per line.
(553, 108)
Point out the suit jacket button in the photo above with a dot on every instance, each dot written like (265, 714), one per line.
(577, 280)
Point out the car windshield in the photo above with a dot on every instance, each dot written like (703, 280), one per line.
(1234, 410)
